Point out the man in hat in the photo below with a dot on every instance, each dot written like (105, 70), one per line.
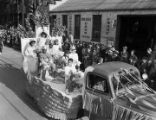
(148, 53)
(133, 58)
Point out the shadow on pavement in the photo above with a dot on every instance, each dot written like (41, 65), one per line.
(15, 79)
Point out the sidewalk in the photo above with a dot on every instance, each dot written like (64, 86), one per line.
(15, 104)
(12, 56)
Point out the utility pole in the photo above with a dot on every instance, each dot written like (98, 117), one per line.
(23, 11)
(17, 12)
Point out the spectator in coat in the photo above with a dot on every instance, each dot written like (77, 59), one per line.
(1, 45)
(133, 58)
(124, 54)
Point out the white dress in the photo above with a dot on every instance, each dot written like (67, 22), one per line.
(30, 51)
(59, 38)
(75, 58)
(69, 69)
(53, 38)
(41, 42)
(49, 51)
(30, 60)
(55, 50)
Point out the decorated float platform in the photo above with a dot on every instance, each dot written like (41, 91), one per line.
(50, 94)
(52, 99)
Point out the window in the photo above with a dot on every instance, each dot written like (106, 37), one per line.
(77, 26)
(52, 20)
(65, 20)
(97, 83)
(96, 32)
(116, 84)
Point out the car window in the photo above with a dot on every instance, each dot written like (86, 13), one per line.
(115, 83)
(98, 83)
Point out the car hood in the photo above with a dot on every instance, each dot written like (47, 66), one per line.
(139, 100)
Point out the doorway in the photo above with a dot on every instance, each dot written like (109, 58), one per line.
(137, 32)
(65, 21)
(96, 32)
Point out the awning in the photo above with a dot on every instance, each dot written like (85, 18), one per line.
(94, 5)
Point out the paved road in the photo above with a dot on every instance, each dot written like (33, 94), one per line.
(15, 104)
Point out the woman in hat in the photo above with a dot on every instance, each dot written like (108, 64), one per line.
(30, 50)
(30, 62)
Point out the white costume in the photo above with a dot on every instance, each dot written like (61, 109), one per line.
(55, 48)
(59, 38)
(71, 38)
(75, 58)
(53, 38)
(30, 51)
(49, 51)
(69, 69)
(30, 59)
(41, 42)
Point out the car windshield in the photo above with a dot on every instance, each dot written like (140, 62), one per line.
(127, 79)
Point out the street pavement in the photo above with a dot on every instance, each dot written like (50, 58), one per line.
(15, 104)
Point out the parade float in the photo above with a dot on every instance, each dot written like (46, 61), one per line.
(49, 91)
(48, 87)
(45, 84)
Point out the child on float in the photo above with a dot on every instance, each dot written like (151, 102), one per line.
(78, 77)
(49, 49)
(42, 41)
(59, 38)
(73, 77)
(69, 71)
(73, 55)
(56, 50)
(47, 66)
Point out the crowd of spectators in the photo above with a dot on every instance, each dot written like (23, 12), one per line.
(91, 53)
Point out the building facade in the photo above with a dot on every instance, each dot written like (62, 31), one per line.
(117, 22)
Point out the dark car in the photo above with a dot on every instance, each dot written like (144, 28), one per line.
(115, 91)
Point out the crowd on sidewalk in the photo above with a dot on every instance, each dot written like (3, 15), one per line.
(84, 54)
